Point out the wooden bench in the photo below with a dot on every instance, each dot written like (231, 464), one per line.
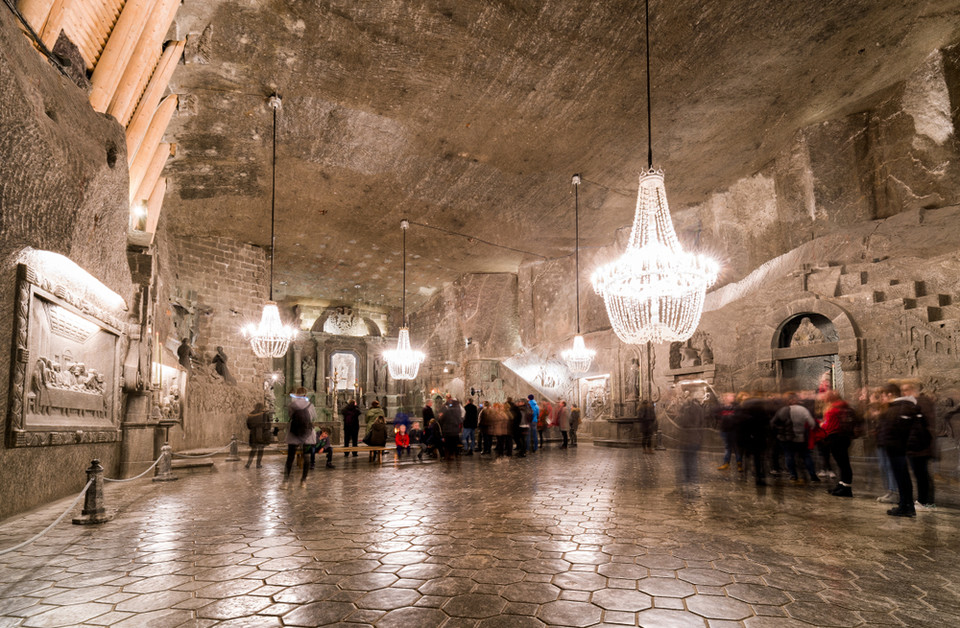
(376, 451)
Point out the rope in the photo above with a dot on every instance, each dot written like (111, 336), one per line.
(150, 468)
(212, 453)
(50, 527)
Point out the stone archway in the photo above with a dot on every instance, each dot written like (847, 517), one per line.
(814, 334)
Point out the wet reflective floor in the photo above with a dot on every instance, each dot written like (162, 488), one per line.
(576, 537)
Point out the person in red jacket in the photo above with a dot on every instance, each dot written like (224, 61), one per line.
(836, 425)
(402, 439)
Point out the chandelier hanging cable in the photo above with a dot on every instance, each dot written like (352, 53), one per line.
(578, 358)
(655, 291)
(271, 338)
(403, 362)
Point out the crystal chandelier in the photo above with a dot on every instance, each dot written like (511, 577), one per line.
(403, 362)
(271, 338)
(655, 291)
(578, 358)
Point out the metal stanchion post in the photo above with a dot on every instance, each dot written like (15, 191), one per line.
(659, 441)
(234, 449)
(165, 466)
(93, 509)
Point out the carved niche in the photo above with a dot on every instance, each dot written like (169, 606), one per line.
(65, 384)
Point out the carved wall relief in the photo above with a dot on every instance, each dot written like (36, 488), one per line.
(65, 384)
(595, 393)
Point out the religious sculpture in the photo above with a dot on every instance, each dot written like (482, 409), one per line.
(185, 354)
(806, 334)
(220, 365)
(309, 366)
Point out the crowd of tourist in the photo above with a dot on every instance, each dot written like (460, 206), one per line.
(775, 435)
(796, 433)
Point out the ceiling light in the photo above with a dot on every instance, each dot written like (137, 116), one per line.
(404, 362)
(654, 292)
(578, 358)
(271, 338)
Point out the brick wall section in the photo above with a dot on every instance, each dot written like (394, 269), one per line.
(230, 281)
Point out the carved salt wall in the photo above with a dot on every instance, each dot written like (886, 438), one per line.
(842, 228)
(214, 286)
(64, 189)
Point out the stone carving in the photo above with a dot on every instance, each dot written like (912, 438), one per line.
(596, 396)
(309, 366)
(694, 352)
(806, 334)
(344, 321)
(65, 383)
(185, 354)
(220, 366)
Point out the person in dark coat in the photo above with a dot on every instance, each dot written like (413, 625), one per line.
(451, 418)
(648, 420)
(485, 423)
(351, 425)
(470, 422)
(376, 435)
(919, 458)
(258, 422)
(752, 433)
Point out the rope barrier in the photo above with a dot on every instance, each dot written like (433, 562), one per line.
(50, 527)
(212, 453)
(149, 469)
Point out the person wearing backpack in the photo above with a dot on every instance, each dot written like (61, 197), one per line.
(838, 424)
(901, 420)
(300, 432)
(791, 424)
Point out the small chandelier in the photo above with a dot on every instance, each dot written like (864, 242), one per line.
(578, 358)
(403, 362)
(271, 338)
(655, 291)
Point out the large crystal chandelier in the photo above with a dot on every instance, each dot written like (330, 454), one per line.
(403, 362)
(271, 338)
(654, 292)
(578, 358)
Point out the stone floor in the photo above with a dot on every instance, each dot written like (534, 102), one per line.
(579, 537)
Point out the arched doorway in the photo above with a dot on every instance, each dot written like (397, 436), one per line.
(807, 350)
(811, 337)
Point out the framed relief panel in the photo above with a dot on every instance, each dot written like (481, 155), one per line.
(65, 380)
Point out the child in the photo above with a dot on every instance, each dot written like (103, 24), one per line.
(416, 438)
(323, 444)
(402, 439)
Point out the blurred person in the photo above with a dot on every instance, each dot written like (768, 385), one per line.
(523, 428)
(533, 432)
(893, 433)
(921, 451)
(726, 417)
(838, 426)
(753, 433)
(547, 418)
(648, 420)
(500, 430)
(792, 424)
(451, 420)
(485, 425)
(300, 434)
(416, 438)
(351, 425)
(470, 421)
(258, 422)
(574, 424)
(563, 422)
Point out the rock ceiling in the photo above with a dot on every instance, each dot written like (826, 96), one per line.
(472, 115)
